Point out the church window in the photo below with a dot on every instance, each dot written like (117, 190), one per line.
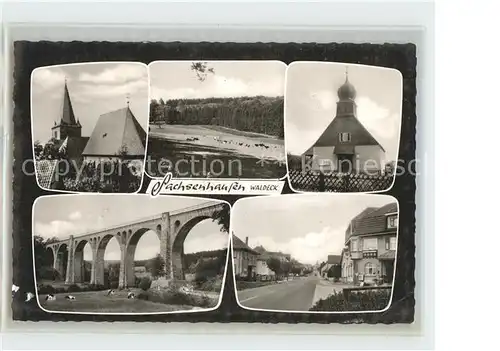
(344, 137)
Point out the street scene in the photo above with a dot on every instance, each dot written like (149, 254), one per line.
(169, 255)
(217, 119)
(322, 262)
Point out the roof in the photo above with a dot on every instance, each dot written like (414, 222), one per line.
(67, 113)
(334, 259)
(371, 220)
(238, 244)
(388, 255)
(74, 146)
(45, 172)
(345, 124)
(115, 131)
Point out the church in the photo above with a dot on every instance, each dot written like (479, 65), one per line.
(116, 135)
(346, 145)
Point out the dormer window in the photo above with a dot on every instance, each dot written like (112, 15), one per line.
(392, 222)
(344, 137)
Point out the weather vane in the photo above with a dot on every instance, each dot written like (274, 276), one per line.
(127, 96)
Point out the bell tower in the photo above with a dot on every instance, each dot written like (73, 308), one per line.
(346, 106)
(68, 125)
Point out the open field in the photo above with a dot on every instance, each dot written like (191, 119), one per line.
(98, 302)
(220, 151)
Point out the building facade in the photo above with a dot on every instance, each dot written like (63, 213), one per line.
(346, 146)
(333, 260)
(244, 259)
(370, 246)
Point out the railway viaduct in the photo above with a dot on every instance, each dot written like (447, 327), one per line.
(171, 227)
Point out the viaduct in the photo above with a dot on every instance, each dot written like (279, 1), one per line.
(171, 227)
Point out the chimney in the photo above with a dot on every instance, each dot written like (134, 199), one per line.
(246, 240)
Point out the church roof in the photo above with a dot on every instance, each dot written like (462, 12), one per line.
(67, 113)
(114, 132)
(346, 124)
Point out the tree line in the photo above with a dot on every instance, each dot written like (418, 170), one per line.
(258, 114)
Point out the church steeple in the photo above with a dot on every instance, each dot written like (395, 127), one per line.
(68, 125)
(346, 106)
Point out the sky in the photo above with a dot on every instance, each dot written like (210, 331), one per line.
(311, 97)
(309, 227)
(94, 89)
(63, 215)
(176, 80)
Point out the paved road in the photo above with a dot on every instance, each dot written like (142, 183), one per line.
(293, 295)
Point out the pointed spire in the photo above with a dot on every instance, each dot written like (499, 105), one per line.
(127, 97)
(346, 74)
(67, 113)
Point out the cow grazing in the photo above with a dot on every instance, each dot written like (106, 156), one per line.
(110, 292)
(130, 295)
(50, 297)
(70, 297)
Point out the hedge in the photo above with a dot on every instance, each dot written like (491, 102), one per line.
(369, 300)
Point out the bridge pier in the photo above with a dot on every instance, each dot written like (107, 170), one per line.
(70, 268)
(165, 244)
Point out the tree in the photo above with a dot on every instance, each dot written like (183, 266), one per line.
(274, 264)
(334, 272)
(221, 217)
(201, 69)
(43, 255)
(38, 149)
(156, 266)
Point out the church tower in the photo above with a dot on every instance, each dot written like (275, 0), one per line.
(346, 106)
(68, 126)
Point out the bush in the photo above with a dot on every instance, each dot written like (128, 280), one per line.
(74, 288)
(369, 300)
(145, 283)
(171, 297)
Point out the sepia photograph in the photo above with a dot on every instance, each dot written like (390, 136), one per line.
(89, 125)
(217, 119)
(342, 126)
(315, 253)
(129, 254)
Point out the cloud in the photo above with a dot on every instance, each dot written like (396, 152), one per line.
(313, 247)
(89, 92)
(48, 78)
(75, 215)
(221, 87)
(119, 74)
(208, 242)
(56, 228)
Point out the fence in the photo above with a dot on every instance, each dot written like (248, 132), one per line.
(338, 182)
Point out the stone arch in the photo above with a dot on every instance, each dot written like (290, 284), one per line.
(182, 232)
(79, 261)
(61, 259)
(101, 244)
(133, 240)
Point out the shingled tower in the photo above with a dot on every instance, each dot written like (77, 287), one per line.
(68, 126)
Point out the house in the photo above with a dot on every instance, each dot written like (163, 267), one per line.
(244, 258)
(263, 269)
(333, 260)
(346, 145)
(370, 246)
(117, 135)
(277, 254)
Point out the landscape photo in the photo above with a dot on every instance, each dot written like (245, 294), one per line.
(337, 253)
(342, 126)
(89, 124)
(217, 119)
(129, 254)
